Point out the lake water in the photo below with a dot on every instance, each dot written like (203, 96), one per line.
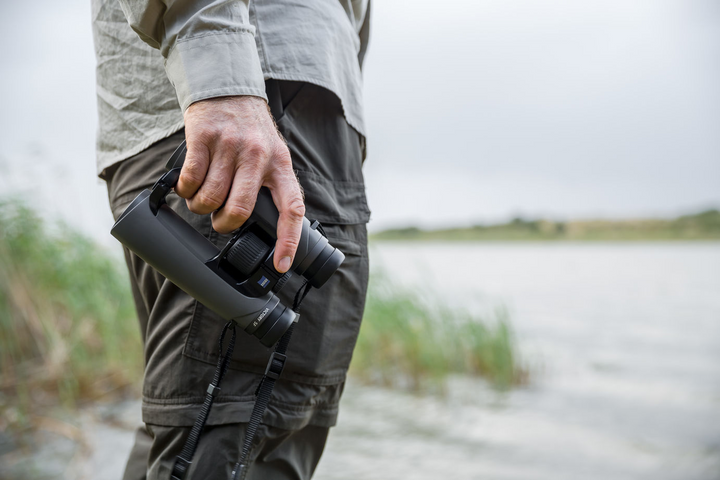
(623, 341)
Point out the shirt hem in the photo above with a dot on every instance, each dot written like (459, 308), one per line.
(103, 165)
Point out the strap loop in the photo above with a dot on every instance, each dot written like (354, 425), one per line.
(181, 467)
(275, 365)
(238, 472)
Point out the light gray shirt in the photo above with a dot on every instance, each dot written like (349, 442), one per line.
(156, 57)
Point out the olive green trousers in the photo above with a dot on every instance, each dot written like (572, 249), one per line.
(180, 335)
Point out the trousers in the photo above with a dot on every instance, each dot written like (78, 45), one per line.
(180, 334)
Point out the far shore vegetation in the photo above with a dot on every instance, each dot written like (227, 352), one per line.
(701, 226)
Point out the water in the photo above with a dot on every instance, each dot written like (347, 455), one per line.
(624, 344)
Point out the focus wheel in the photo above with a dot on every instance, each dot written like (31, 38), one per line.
(248, 253)
(281, 282)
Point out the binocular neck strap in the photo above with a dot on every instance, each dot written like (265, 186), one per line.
(264, 390)
(263, 393)
(183, 461)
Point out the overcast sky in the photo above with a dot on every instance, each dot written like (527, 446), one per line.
(476, 110)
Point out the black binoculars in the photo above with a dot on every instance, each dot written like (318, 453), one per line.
(239, 281)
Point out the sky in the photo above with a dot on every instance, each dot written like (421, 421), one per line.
(476, 111)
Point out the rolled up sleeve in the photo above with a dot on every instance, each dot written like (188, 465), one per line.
(209, 46)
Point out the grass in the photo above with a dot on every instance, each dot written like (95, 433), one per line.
(67, 320)
(409, 342)
(68, 331)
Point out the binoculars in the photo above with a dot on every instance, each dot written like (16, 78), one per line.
(238, 281)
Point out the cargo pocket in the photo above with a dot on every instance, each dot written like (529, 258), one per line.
(326, 334)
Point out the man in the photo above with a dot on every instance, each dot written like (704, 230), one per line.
(236, 79)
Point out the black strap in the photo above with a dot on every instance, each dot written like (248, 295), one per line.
(262, 395)
(267, 383)
(262, 398)
(183, 461)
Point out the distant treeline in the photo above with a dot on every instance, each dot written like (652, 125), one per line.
(701, 226)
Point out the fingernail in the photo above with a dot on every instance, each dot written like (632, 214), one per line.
(284, 264)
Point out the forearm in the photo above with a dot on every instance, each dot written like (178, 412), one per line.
(208, 45)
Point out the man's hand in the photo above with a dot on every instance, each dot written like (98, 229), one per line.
(233, 148)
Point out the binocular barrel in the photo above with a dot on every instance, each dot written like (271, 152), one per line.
(179, 252)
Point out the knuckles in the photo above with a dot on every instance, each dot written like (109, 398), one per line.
(191, 181)
(191, 174)
(230, 140)
(210, 198)
(238, 212)
(296, 208)
(255, 150)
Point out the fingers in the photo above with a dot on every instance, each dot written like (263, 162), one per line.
(289, 201)
(214, 189)
(197, 160)
(240, 201)
(287, 196)
(233, 149)
(240, 187)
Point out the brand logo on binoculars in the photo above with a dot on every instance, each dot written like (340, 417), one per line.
(262, 315)
(263, 282)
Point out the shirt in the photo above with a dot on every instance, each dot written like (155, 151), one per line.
(157, 57)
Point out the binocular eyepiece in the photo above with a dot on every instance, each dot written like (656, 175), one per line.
(239, 281)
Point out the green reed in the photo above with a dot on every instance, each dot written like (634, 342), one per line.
(67, 320)
(68, 330)
(406, 340)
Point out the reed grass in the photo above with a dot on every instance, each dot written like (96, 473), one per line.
(414, 342)
(67, 320)
(68, 330)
